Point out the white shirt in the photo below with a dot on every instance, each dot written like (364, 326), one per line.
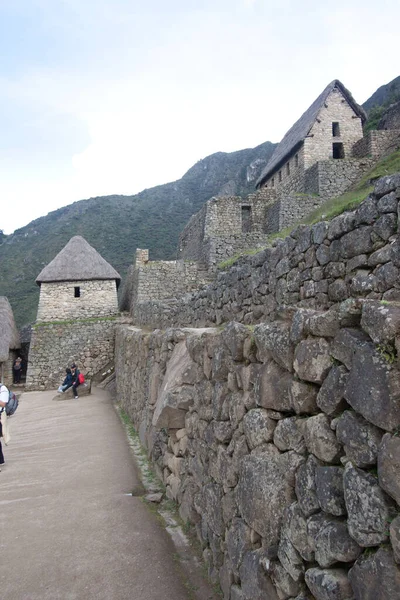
(3, 395)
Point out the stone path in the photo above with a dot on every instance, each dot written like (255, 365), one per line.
(69, 530)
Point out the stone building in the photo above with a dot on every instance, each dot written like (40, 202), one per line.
(327, 130)
(78, 283)
(76, 316)
(9, 341)
(224, 226)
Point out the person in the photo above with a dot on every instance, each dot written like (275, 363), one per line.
(17, 368)
(67, 381)
(75, 382)
(3, 402)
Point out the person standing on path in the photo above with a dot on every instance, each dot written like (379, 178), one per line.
(3, 402)
(75, 380)
(17, 369)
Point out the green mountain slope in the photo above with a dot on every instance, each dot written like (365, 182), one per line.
(117, 225)
(376, 105)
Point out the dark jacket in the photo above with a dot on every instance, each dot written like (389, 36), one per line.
(75, 381)
(68, 380)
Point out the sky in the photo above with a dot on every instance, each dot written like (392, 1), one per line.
(104, 97)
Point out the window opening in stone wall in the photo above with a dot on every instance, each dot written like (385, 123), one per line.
(337, 150)
(77, 292)
(288, 168)
(246, 219)
(296, 160)
(335, 129)
(280, 175)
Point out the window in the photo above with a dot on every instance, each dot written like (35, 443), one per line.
(335, 129)
(296, 160)
(77, 292)
(337, 150)
(280, 175)
(246, 219)
(288, 168)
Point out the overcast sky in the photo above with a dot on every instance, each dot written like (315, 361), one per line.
(113, 96)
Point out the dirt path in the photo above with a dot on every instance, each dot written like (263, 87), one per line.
(69, 528)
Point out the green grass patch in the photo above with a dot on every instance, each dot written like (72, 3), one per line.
(226, 264)
(74, 321)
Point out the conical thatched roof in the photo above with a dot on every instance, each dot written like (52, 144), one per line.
(77, 261)
(9, 338)
(293, 139)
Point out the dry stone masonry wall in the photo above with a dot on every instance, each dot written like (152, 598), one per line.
(356, 254)
(279, 442)
(77, 300)
(54, 346)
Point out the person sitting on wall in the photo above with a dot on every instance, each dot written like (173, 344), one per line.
(67, 381)
(17, 369)
(75, 380)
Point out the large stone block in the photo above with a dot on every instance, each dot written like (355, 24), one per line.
(234, 336)
(369, 509)
(312, 359)
(389, 466)
(333, 544)
(273, 340)
(255, 583)
(175, 397)
(360, 439)
(329, 488)
(258, 427)
(320, 439)
(330, 398)
(329, 584)
(381, 321)
(265, 489)
(373, 387)
(376, 577)
(272, 387)
(306, 490)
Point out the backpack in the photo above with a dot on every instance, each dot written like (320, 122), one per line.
(12, 404)
(81, 378)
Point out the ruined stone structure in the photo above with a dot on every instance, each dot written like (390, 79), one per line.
(76, 317)
(391, 118)
(276, 432)
(9, 341)
(224, 226)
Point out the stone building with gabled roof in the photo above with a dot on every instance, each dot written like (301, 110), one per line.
(77, 283)
(9, 341)
(77, 312)
(327, 130)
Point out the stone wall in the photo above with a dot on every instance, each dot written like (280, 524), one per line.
(377, 144)
(238, 221)
(280, 445)
(58, 300)
(54, 346)
(290, 209)
(357, 254)
(331, 178)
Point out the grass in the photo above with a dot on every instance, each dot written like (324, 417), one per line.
(351, 199)
(225, 264)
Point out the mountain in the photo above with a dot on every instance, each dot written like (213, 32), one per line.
(376, 105)
(116, 225)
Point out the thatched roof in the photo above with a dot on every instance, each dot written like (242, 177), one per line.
(77, 261)
(293, 139)
(9, 338)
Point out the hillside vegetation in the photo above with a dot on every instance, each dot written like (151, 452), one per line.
(117, 225)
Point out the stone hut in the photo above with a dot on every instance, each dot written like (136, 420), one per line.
(78, 306)
(327, 130)
(78, 283)
(9, 341)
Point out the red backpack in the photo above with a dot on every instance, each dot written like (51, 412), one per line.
(81, 378)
